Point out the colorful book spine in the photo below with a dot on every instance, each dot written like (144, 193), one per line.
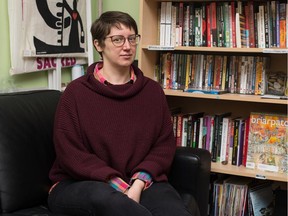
(282, 25)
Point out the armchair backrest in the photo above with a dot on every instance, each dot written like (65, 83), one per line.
(190, 175)
(26, 149)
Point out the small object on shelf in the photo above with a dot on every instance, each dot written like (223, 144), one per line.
(271, 96)
(202, 91)
(159, 47)
(276, 83)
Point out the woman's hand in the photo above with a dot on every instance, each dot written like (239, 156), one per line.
(134, 192)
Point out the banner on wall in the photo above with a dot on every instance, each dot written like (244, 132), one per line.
(43, 30)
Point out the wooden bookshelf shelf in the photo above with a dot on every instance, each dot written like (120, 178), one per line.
(221, 49)
(228, 96)
(243, 171)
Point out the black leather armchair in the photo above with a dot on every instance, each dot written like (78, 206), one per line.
(26, 155)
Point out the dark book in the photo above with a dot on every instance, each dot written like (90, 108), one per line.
(192, 118)
(220, 25)
(217, 135)
(191, 24)
(240, 142)
(261, 198)
(204, 25)
(235, 140)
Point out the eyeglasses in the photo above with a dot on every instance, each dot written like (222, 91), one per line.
(119, 40)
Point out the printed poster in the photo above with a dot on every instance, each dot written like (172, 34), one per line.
(43, 30)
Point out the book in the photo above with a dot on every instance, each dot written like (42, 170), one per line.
(282, 25)
(184, 130)
(213, 23)
(198, 26)
(191, 24)
(267, 142)
(192, 118)
(235, 189)
(236, 138)
(216, 141)
(261, 198)
(240, 142)
(225, 141)
(245, 142)
(251, 25)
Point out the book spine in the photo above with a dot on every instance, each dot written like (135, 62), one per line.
(251, 24)
(235, 142)
(179, 130)
(216, 138)
(212, 124)
(240, 142)
(267, 25)
(233, 24)
(198, 27)
(245, 145)
(220, 25)
(224, 140)
(200, 129)
(277, 24)
(186, 25)
(184, 131)
(227, 28)
(191, 24)
(204, 25)
(282, 25)
(231, 141)
(213, 24)
(181, 21)
(162, 23)
(208, 25)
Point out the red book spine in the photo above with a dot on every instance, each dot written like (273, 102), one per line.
(208, 17)
(251, 25)
(213, 24)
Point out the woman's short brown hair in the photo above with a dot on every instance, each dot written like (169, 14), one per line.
(101, 27)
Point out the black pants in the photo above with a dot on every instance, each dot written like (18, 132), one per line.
(92, 198)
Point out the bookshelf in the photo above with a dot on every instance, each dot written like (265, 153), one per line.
(240, 104)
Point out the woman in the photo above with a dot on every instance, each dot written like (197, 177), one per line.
(113, 134)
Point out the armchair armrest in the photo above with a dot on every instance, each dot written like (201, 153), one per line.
(190, 176)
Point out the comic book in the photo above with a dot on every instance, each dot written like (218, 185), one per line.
(267, 142)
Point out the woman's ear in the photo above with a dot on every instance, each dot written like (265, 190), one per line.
(97, 46)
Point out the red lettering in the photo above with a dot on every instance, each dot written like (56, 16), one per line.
(73, 61)
(47, 63)
(63, 62)
(53, 62)
(39, 63)
(68, 62)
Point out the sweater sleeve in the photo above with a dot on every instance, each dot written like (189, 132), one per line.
(75, 158)
(159, 159)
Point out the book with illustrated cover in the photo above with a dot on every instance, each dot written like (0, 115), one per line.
(267, 142)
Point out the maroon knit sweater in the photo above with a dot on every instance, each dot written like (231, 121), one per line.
(116, 130)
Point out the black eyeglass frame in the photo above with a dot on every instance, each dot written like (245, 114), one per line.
(114, 37)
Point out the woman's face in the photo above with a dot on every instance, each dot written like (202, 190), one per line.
(118, 55)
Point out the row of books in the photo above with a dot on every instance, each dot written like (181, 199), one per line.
(241, 196)
(224, 24)
(234, 74)
(257, 142)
